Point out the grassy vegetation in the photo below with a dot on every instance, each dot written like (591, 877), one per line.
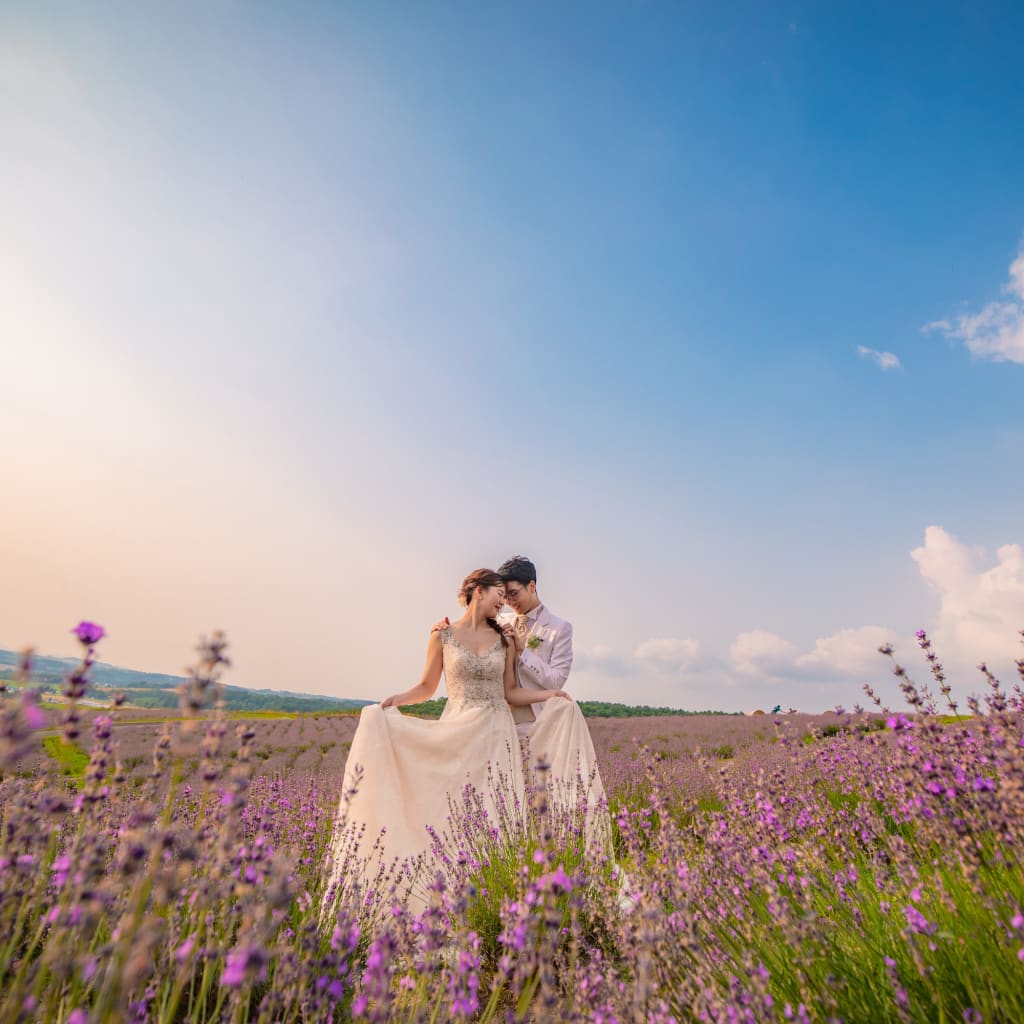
(425, 709)
(70, 757)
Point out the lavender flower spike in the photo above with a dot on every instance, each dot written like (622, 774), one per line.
(89, 633)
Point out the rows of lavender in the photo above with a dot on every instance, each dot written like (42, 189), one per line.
(868, 871)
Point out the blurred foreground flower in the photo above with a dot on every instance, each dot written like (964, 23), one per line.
(866, 869)
(89, 633)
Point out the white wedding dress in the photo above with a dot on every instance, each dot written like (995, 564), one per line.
(404, 775)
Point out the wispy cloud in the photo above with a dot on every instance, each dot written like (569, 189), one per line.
(997, 332)
(981, 610)
(981, 607)
(885, 360)
(602, 660)
(848, 654)
(668, 654)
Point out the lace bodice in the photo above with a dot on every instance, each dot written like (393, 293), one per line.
(474, 680)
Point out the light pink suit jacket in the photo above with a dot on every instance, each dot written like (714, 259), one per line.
(546, 665)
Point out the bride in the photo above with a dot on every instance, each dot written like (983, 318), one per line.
(404, 774)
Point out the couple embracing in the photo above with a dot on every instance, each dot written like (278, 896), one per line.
(505, 698)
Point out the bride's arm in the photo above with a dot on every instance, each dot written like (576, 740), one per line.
(427, 686)
(519, 696)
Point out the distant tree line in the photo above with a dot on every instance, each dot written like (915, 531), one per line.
(239, 699)
(590, 709)
(605, 709)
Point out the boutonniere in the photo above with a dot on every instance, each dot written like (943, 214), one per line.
(533, 641)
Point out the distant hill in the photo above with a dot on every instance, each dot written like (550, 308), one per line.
(154, 690)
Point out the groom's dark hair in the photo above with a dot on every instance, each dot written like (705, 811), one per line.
(518, 570)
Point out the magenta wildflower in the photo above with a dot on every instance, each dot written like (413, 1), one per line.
(60, 869)
(557, 879)
(918, 922)
(89, 633)
(242, 963)
(33, 713)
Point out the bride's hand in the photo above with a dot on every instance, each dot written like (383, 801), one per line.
(514, 637)
(439, 625)
(389, 702)
(558, 693)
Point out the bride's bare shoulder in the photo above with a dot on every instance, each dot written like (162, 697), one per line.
(435, 642)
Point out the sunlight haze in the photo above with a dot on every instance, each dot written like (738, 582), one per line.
(715, 313)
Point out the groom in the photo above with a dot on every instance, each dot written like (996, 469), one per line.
(543, 641)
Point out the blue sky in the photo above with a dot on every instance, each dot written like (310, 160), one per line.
(305, 313)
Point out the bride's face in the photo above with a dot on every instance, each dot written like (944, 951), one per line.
(491, 600)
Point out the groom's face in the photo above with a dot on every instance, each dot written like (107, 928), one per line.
(522, 597)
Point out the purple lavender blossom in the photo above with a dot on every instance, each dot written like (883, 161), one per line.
(34, 716)
(89, 633)
(248, 962)
(728, 866)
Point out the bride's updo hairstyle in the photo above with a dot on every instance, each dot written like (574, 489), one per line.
(482, 578)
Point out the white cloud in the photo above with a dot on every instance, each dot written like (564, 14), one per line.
(997, 332)
(1016, 283)
(885, 360)
(980, 610)
(602, 660)
(850, 652)
(668, 654)
(760, 653)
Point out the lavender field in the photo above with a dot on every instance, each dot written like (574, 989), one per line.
(848, 867)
